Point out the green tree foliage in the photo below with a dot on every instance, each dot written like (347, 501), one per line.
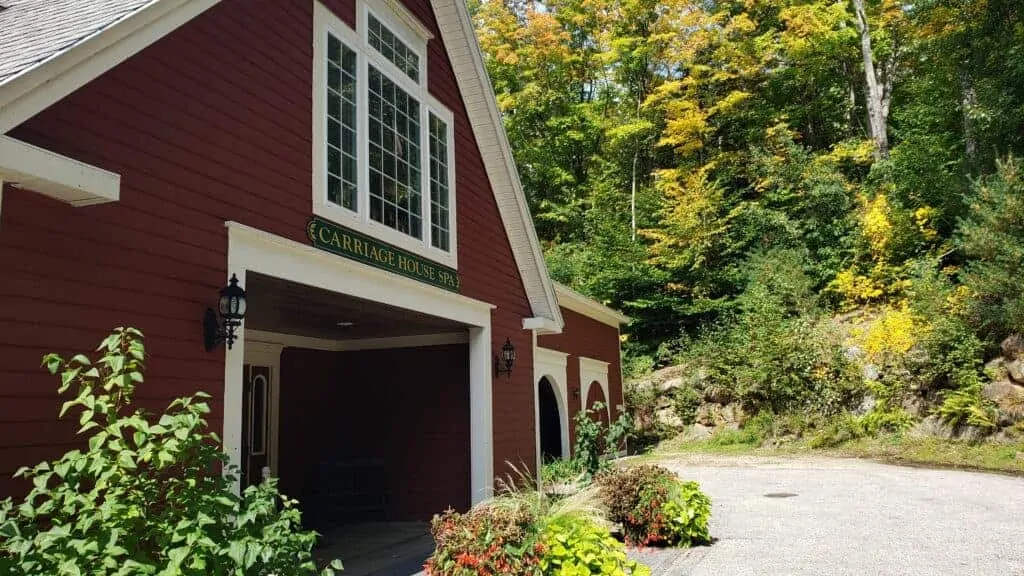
(662, 143)
(147, 496)
(993, 241)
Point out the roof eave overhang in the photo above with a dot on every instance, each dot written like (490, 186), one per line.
(31, 91)
(573, 300)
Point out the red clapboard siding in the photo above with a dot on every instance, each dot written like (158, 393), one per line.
(211, 123)
(585, 337)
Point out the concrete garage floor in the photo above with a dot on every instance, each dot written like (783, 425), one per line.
(378, 549)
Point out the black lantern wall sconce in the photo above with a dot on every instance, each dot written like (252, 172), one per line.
(232, 310)
(504, 361)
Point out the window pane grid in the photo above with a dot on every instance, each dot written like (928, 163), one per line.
(342, 166)
(395, 179)
(385, 42)
(439, 202)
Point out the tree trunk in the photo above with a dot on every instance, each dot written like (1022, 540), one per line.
(968, 101)
(878, 91)
(632, 199)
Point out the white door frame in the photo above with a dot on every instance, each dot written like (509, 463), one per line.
(253, 250)
(269, 354)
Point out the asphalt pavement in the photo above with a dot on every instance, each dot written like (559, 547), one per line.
(820, 516)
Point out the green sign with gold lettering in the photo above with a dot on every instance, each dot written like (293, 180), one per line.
(344, 242)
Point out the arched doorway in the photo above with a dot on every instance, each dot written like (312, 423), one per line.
(595, 394)
(550, 423)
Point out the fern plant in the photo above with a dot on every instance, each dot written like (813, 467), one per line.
(967, 407)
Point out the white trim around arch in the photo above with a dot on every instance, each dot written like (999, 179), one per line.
(551, 364)
(253, 250)
(593, 371)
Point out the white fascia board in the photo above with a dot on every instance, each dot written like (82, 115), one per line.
(459, 38)
(542, 325)
(573, 300)
(59, 177)
(39, 87)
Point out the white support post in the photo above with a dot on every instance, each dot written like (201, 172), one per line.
(234, 361)
(481, 430)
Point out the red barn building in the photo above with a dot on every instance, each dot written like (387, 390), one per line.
(346, 161)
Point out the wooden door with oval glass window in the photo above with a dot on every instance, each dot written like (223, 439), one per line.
(255, 423)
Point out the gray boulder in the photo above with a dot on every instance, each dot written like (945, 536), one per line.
(1015, 369)
(1009, 399)
(1013, 346)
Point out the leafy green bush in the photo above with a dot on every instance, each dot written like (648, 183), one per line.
(655, 507)
(686, 402)
(499, 537)
(145, 497)
(596, 443)
(574, 545)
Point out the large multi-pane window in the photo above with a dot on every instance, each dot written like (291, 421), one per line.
(387, 163)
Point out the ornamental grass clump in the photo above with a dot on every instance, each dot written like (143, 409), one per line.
(656, 508)
(147, 496)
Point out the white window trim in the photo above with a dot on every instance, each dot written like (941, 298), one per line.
(326, 22)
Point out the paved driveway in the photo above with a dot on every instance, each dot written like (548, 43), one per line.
(816, 516)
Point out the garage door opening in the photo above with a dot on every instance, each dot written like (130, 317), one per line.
(367, 417)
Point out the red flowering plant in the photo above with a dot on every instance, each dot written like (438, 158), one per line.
(499, 537)
(654, 507)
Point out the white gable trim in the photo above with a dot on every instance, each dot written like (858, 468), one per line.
(33, 90)
(456, 27)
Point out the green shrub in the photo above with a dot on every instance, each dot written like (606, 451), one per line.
(967, 407)
(655, 507)
(561, 470)
(841, 429)
(145, 497)
(597, 443)
(776, 354)
(498, 537)
(891, 420)
(992, 238)
(686, 402)
(574, 545)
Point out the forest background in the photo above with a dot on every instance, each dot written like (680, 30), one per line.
(812, 205)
